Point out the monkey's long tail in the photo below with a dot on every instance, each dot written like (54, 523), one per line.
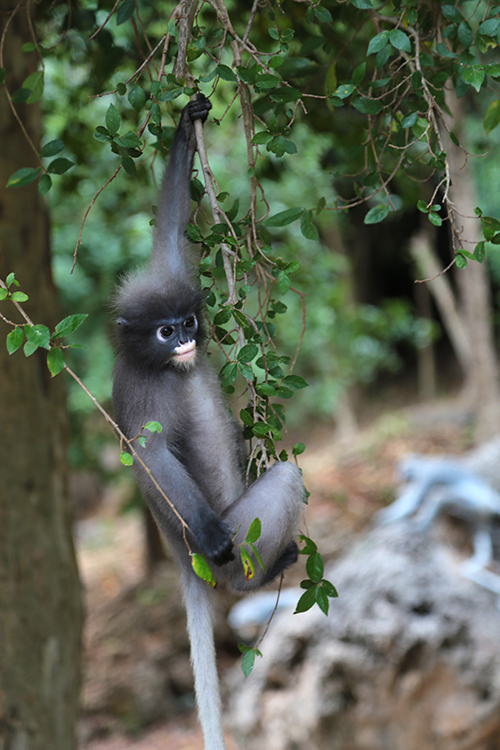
(201, 638)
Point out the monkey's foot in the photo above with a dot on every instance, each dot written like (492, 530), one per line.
(287, 558)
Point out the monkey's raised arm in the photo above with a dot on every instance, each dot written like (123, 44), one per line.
(175, 201)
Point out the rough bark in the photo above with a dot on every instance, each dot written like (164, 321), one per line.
(40, 605)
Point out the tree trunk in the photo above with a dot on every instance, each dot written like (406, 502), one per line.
(40, 604)
(482, 380)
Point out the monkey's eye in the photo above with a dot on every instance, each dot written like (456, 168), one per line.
(164, 332)
(190, 322)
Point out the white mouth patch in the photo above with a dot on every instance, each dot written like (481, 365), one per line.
(185, 352)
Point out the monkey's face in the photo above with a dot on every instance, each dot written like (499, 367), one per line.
(178, 337)
(158, 333)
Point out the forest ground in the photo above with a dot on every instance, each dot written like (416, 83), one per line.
(348, 479)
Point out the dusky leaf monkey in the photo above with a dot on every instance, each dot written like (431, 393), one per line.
(198, 458)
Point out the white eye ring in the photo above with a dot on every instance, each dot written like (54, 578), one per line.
(161, 334)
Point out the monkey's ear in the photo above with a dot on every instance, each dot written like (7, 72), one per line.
(122, 322)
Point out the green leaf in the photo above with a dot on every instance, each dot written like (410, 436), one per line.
(490, 227)
(37, 334)
(228, 373)
(15, 339)
(44, 184)
(262, 137)
(451, 13)
(309, 231)
(344, 90)
(128, 164)
(60, 166)
(306, 601)
(382, 56)
(257, 556)
(35, 84)
(298, 448)
(246, 371)
(113, 120)
(52, 147)
(329, 589)
(493, 70)
(474, 76)
(247, 353)
(376, 214)
(323, 15)
(285, 94)
(137, 97)
(11, 279)
(315, 567)
(435, 219)
(399, 40)
(23, 177)
(480, 252)
(129, 140)
(310, 547)
(362, 4)
(491, 27)
(460, 260)
(454, 138)
(246, 418)
(19, 297)
(225, 73)
(276, 61)
(359, 74)
(422, 206)
(295, 382)
(29, 348)
(378, 42)
(222, 316)
(322, 600)
(465, 34)
(284, 217)
(194, 233)
(21, 95)
(261, 429)
(409, 120)
(368, 106)
(153, 426)
(254, 531)
(266, 390)
(202, 569)
(126, 459)
(55, 361)
(284, 282)
(125, 11)
(248, 660)
(69, 324)
(247, 563)
(492, 116)
(265, 82)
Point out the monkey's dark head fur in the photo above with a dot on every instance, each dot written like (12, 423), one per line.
(142, 314)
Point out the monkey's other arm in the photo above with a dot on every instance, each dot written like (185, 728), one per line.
(211, 535)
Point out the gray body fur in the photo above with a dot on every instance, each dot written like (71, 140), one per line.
(198, 458)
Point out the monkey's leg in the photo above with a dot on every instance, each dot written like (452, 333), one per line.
(203, 660)
(277, 499)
